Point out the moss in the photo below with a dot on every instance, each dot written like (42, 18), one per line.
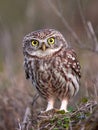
(84, 100)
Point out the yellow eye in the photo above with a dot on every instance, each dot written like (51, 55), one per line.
(51, 40)
(34, 43)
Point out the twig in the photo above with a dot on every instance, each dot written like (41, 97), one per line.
(26, 119)
(60, 6)
(89, 29)
(91, 123)
(58, 13)
(86, 87)
(47, 125)
(52, 127)
(36, 96)
(93, 36)
(70, 125)
(83, 20)
(43, 116)
(84, 107)
(19, 125)
(96, 94)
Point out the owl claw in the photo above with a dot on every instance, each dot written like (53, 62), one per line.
(58, 111)
(46, 111)
(41, 112)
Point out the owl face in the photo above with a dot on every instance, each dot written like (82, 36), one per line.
(43, 43)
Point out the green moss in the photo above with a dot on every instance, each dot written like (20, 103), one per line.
(65, 125)
(59, 122)
(53, 119)
(61, 112)
(70, 109)
(55, 129)
(84, 100)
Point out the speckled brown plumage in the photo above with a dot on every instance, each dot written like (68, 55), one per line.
(55, 72)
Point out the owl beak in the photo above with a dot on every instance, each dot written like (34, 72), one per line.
(43, 47)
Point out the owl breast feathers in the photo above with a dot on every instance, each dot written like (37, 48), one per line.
(51, 65)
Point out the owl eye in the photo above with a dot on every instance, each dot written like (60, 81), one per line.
(34, 43)
(51, 40)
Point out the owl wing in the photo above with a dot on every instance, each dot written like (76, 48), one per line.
(26, 70)
(73, 62)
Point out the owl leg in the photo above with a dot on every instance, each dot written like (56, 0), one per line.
(64, 103)
(50, 104)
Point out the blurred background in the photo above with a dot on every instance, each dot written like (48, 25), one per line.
(77, 20)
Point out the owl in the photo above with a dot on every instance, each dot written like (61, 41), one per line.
(52, 66)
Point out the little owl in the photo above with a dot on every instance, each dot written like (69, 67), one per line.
(52, 66)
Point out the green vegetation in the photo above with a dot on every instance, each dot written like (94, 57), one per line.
(59, 120)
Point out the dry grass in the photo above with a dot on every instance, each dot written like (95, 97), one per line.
(13, 101)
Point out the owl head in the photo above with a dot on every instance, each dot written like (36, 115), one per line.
(43, 43)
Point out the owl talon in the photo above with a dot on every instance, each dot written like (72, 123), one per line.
(42, 112)
(45, 112)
